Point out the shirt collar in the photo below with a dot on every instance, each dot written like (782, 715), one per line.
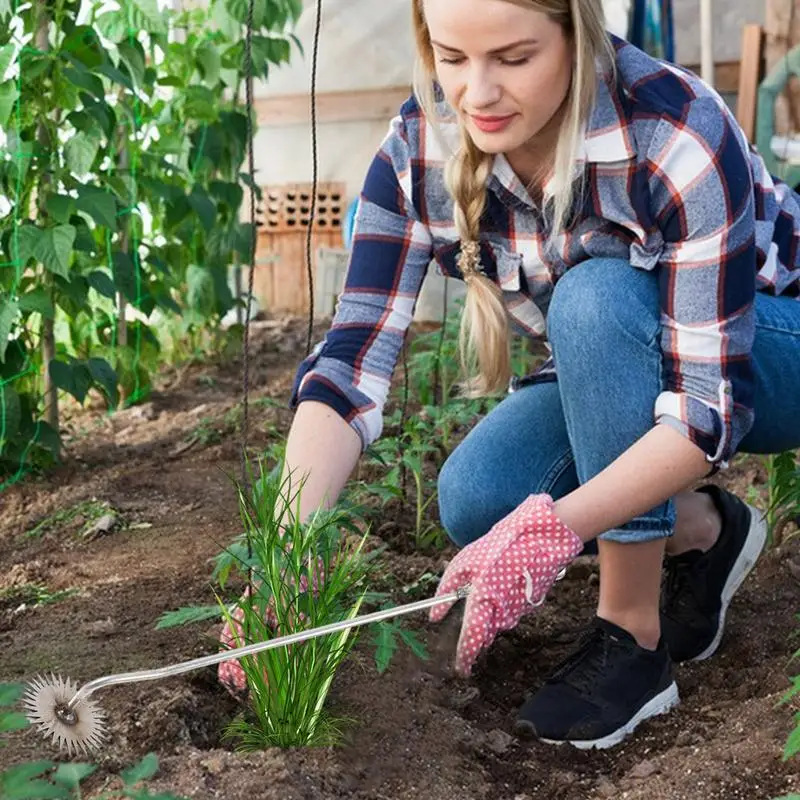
(606, 139)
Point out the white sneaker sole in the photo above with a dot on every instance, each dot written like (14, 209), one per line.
(753, 545)
(660, 704)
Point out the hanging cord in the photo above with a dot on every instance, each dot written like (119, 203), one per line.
(314, 177)
(438, 384)
(248, 68)
(401, 453)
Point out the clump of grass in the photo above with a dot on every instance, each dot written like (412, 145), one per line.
(305, 575)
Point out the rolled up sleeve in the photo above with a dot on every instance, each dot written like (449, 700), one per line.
(351, 369)
(701, 190)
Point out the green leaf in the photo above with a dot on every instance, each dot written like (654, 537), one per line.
(200, 289)
(70, 775)
(201, 104)
(102, 284)
(112, 25)
(203, 206)
(10, 415)
(266, 13)
(143, 15)
(55, 247)
(84, 241)
(8, 97)
(208, 62)
(33, 790)
(99, 204)
(72, 295)
(385, 645)
(37, 300)
(170, 80)
(102, 113)
(81, 150)
(26, 771)
(132, 56)
(414, 643)
(34, 65)
(187, 615)
(85, 80)
(125, 275)
(59, 207)
(8, 316)
(248, 181)
(13, 721)
(24, 241)
(793, 743)
(48, 438)
(7, 53)
(10, 693)
(74, 378)
(229, 193)
(83, 44)
(142, 771)
(104, 376)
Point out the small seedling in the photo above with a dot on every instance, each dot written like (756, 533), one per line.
(32, 595)
(89, 510)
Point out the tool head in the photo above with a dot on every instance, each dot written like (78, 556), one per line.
(47, 706)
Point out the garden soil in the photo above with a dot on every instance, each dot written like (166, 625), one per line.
(164, 470)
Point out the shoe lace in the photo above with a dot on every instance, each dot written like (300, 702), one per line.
(584, 668)
(683, 592)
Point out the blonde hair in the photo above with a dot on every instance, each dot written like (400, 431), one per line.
(484, 339)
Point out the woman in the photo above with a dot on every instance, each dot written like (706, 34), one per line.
(593, 195)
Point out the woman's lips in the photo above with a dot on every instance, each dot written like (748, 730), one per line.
(492, 124)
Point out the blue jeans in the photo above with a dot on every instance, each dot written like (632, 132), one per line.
(604, 327)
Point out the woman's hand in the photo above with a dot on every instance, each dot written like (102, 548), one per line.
(510, 570)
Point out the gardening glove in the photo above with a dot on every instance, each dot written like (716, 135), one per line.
(230, 673)
(510, 570)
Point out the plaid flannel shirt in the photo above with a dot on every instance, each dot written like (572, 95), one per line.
(671, 186)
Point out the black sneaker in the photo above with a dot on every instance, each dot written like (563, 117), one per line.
(698, 587)
(601, 693)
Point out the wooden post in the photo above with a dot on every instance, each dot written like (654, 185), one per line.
(749, 77)
(707, 41)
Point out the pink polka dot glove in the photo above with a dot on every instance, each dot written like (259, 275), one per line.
(230, 673)
(510, 571)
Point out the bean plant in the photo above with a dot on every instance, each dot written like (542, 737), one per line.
(123, 135)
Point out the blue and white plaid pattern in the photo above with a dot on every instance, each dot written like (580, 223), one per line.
(672, 185)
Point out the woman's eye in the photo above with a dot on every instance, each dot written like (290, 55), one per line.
(456, 60)
(514, 62)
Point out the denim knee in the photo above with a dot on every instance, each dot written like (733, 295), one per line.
(599, 293)
(462, 512)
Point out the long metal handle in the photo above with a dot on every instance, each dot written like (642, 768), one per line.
(258, 647)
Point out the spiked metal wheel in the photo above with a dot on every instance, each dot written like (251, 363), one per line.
(78, 726)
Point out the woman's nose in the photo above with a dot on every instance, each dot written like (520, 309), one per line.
(481, 91)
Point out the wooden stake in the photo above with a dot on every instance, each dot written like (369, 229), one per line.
(749, 77)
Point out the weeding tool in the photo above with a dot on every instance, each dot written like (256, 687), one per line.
(63, 711)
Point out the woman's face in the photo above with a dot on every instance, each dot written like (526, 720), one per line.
(504, 68)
